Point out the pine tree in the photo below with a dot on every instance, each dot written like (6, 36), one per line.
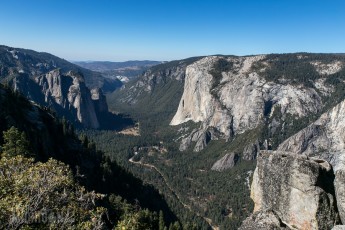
(161, 221)
(15, 143)
(175, 226)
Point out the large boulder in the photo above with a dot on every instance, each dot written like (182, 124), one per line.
(251, 151)
(340, 193)
(298, 189)
(339, 227)
(263, 220)
(226, 162)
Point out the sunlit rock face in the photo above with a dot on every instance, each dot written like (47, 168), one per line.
(298, 189)
(55, 83)
(239, 99)
(323, 138)
(64, 93)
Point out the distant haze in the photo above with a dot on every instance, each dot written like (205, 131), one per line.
(128, 69)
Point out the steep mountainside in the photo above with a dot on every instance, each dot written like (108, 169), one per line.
(222, 110)
(55, 83)
(43, 187)
(66, 93)
(231, 95)
(15, 60)
(155, 93)
(323, 138)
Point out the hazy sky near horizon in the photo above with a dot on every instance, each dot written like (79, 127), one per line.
(119, 30)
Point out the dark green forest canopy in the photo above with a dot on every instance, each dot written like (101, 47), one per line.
(44, 136)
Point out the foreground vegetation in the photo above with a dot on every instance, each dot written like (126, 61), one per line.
(50, 179)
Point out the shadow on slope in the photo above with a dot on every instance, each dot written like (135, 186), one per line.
(50, 137)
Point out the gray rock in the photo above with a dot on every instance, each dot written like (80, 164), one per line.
(194, 136)
(263, 220)
(55, 83)
(79, 97)
(323, 138)
(66, 93)
(339, 227)
(202, 141)
(307, 141)
(99, 100)
(250, 151)
(296, 188)
(241, 100)
(339, 184)
(226, 162)
(150, 80)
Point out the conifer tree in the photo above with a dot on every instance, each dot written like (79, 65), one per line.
(15, 143)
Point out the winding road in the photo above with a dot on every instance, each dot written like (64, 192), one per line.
(208, 220)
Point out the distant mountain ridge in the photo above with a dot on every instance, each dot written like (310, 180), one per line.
(108, 65)
(129, 69)
(15, 60)
(73, 92)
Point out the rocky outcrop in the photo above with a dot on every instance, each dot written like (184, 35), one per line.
(340, 193)
(298, 189)
(339, 227)
(79, 97)
(56, 83)
(186, 142)
(99, 100)
(226, 162)
(251, 151)
(327, 68)
(64, 93)
(156, 76)
(307, 141)
(32, 63)
(233, 95)
(239, 98)
(324, 138)
(196, 99)
(263, 221)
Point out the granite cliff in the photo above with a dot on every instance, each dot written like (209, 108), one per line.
(292, 191)
(323, 138)
(228, 108)
(54, 83)
(272, 96)
(17, 60)
(64, 93)
(234, 94)
(153, 79)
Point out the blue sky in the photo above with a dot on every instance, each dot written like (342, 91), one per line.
(118, 30)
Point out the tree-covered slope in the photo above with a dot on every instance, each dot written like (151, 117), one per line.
(30, 138)
(71, 91)
(155, 94)
(264, 99)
